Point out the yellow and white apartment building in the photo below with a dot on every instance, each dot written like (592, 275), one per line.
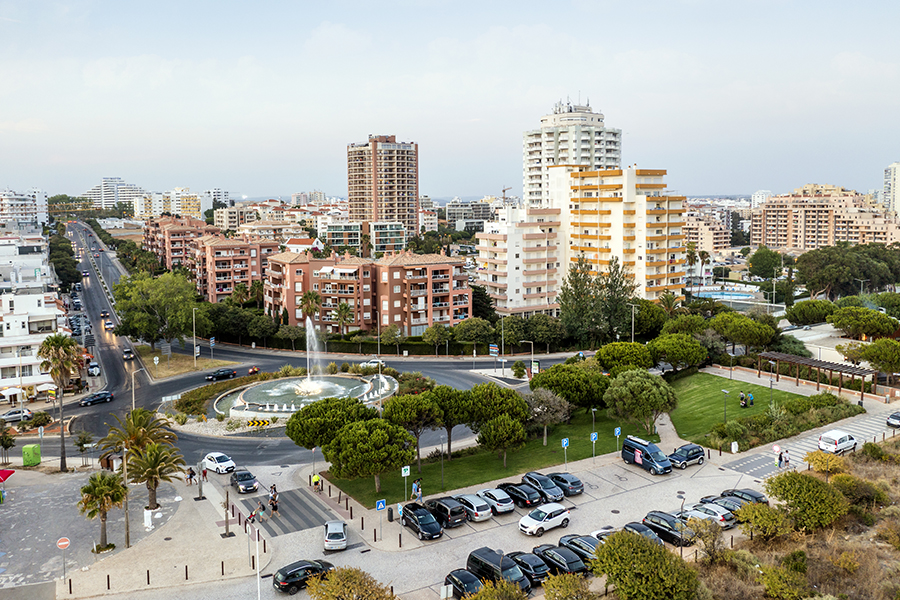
(524, 257)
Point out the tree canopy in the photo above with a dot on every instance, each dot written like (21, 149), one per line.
(856, 322)
(578, 384)
(416, 413)
(809, 312)
(502, 433)
(677, 349)
(639, 397)
(474, 330)
(368, 449)
(318, 423)
(765, 263)
(155, 309)
(619, 354)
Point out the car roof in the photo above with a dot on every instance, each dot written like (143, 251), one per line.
(549, 506)
(335, 525)
(566, 476)
(835, 433)
(465, 574)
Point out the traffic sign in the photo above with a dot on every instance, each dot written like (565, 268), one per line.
(618, 431)
(264, 423)
(594, 436)
(156, 360)
(380, 504)
(62, 543)
(495, 350)
(776, 448)
(196, 350)
(212, 342)
(405, 471)
(399, 510)
(565, 442)
(41, 432)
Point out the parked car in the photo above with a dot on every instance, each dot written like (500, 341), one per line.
(645, 454)
(335, 535)
(584, 546)
(709, 511)
(477, 509)
(632, 527)
(498, 500)
(568, 483)
(463, 582)
(243, 481)
(420, 520)
(544, 518)
(17, 414)
(127, 354)
(522, 495)
(291, 578)
(544, 485)
(689, 454)
(747, 495)
(836, 441)
(669, 527)
(218, 462)
(894, 420)
(729, 503)
(221, 374)
(491, 565)
(448, 512)
(535, 569)
(93, 369)
(96, 398)
(560, 560)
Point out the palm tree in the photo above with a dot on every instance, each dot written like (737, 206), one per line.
(240, 294)
(690, 255)
(61, 355)
(344, 316)
(103, 492)
(364, 244)
(136, 431)
(257, 291)
(703, 255)
(310, 303)
(154, 464)
(669, 303)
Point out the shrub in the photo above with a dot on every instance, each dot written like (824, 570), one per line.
(859, 491)
(220, 417)
(194, 402)
(233, 425)
(783, 584)
(181, 418)
(41, 419)
(889, 531)
(767, 522)
(332, 368)
(518, 369)
(847, 561)
(810, 502)
(873, 451)
(824, 400)
(345, 367)
(24, 425)
(709, 534)
(662, 574)
(274, 420)
(825, 462)
(795, 561)
(796, 406)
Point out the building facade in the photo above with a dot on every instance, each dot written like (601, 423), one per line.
(26, 320)
(383, 181)
(233, 217)
(758, 197)
(707, 233)
(169, 238)
(24, 207)
(386, 236)
(428, 220)
(890, 197)
(179, 201)
(571, 135)
(111, 191)
(219, 263)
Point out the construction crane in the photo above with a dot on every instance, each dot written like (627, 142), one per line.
(506, 189)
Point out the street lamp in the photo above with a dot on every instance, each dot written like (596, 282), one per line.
(633, 306)
(194, 317)
(725, 404)
(861, 281)
(771, 381)
(532, 353)
(133, 373)
(593, 420)
(731, 374)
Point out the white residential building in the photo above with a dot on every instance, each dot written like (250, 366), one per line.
(24, 207)
(111, 191)
(759, 197)
(571, 135)
(890, 199)
(24, 263)
(26, 320)
(218, 196)
(233, 217)
(179, 201)
(428, 220)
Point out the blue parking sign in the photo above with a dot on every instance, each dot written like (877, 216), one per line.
(565, 442)
(380, 505)
(618, 431)
(594, 436)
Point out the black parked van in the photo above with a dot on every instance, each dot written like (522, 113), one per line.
(490, 565)
(646, 454)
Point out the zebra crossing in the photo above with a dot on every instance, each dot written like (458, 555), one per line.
(297, 511)
(865, 428)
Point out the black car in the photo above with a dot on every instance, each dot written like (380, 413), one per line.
(463, 583)
(560, 560)
(244, 481)
(534, 568)
(747, 495)
(641, 529)
(421, 521)
(97, 398)
(104, 314)
(544, 485)
(584, 546)
(296, 575)
(669, 527)
(689, 454)
(447, 511)
(568, 483)
(731, 503)
(523, 495)
(221, 374)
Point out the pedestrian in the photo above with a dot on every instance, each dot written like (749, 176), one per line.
(419, 491)
(204, 473)
(261, 511)
(787, 460)
(415, 490)
(273, 508)
(316, 486)
(190, 476)
(273, 493)
(780, 460)
(750, 397)
(743, 398)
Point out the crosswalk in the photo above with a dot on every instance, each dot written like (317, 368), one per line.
(865, 428)
(297, 511)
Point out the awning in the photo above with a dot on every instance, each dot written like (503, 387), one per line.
(345, 271)
(5, 474)
(326, 269)
(11, 391)
(46, 387)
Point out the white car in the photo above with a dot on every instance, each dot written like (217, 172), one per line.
(335, 535)
(547, 516)
(93, 369)
(477, 508)
(836, 441)
(498, 500)
(711, 512)
(218, 462)
(375, 362)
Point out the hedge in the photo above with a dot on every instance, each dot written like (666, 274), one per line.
(194, 401)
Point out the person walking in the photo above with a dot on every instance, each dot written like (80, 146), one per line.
(787, 460)
(261, 511)
(204, 474)
(190, 476)
(273, 493)
(415, 490)
(780, 460)
(750, 399)
(419, 491)
(317, 487)
(273, 508)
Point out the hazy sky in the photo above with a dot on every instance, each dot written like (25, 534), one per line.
(261, 98)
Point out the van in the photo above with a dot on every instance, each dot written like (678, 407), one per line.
(490, 565)
(646, 454)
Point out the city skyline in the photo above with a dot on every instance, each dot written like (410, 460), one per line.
(264, 100)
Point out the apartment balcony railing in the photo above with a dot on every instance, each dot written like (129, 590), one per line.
(442, 318)
(440, 304)
(440, 277)
(458, 303)
(415, 293)
(418, 321)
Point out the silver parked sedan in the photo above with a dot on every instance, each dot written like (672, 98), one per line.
(498, 500)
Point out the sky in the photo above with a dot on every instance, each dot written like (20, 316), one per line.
(262, 98)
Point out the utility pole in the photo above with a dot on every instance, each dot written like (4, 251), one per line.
(633, 306)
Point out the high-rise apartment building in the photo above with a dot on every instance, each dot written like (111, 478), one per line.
(233, 217)
(179, 201)
(111, 191)
(891, 194)
(758, 197)
(572, 135)
(707, 233)
(169, 237)
(383, 181)
(24, 207)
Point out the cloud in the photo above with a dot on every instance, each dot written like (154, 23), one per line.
(31, 125)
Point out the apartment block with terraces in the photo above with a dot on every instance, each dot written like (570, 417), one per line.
(169, 237)
(219, 263)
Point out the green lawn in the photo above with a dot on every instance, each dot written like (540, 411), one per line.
(700, 404)
(487, 466)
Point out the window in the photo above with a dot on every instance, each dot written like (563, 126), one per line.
(8, 372)
(397, 317)
(396, 274)
(365, 273)
(384, 276)
(316, 287)
(384, 319)
(396, 304)
(396, 289)
(384, 305)
(26, 371)
(366, 301)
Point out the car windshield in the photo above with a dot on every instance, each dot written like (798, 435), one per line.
(426, 518)
(458, 511)
(481, 507)
(512, 573)
(243, 476)
(828, 440)
(537, 514)
(222, 459)
(335, 535)
(576, 565)
(472, 587)
(658, 456)
(681, 452)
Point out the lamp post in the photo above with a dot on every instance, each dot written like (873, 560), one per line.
(125, 476)
(771, 381)
(532, 352)
(133, 373)
(633, 306)
(731, 374)
(194, 318)
(442, 461)
(861, 281)
(725, 404)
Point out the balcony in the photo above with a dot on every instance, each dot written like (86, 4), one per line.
(415, 293)
(440, 304)
(441, 319)
(419, 321)
(461, 303)
(416, 276)
(440, 277)
(441, 290)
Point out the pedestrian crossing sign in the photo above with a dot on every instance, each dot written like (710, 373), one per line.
(380, 505)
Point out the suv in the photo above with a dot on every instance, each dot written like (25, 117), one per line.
(689, 454)
(127, 354)
(647, 455)
(419, 519)
(477, 508)
(569, 484)
(490, 565)
(221, 374)
(669, 527)
(335, 535)
(447, 511)
(544, 485)
(747, 495)
(522, 495)
(544, 517)
(584, 546)
(837, 442)
(296, 575)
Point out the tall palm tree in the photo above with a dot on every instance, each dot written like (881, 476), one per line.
(669, 303)
(136, 431)
(62, 356)
(103, 492)
(344, 316)
(240, 294)
(690, 256)
(257, 291)
(365, 242)
(703, 256)
(154, 464)
(310, 303)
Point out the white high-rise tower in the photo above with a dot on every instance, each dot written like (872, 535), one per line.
(572, 135)
(891, 190)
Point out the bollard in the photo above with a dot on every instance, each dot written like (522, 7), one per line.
(732, 542)
(400, 536)
(751, 535)
(107, 581)
(329, 490)
(257, 535)
(695, 555)
(232, 510)
(882, 436)
(239, 519)
(720, 451)
(310, 481)
(70, 586)
(362, 523)
(264, 545)
(245, 526)
(223, 568)
(375, 531)
(252, 562)
(351, 511)
(148, 576)
(347, 505)
(185, 573)
(708, 456)
(392, 591)
(339, 497)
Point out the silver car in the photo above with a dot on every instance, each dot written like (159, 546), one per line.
(335, 535)
(477, 508)
(498, 500)
(723, 517)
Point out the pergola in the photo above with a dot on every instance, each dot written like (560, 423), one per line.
(819, 366)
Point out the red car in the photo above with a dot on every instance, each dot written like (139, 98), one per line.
(253, 371)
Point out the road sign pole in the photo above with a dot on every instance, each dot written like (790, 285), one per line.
(566, 455)
(593, 451)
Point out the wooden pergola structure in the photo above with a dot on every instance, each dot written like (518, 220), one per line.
(819, 366)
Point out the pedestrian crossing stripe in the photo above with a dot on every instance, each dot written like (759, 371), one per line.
(258, 423)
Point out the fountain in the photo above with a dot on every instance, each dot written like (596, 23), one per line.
(308, 387)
